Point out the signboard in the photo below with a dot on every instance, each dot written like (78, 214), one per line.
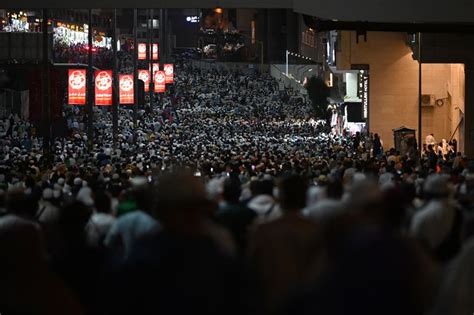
(364, 91)
(363, 87)
(77, 86)
(160, 84)
(155, 51)
(141, 51)
(144, 75)
(126, 89)
(103, 87)
(169, 73)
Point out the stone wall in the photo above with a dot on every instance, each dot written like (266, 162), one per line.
(393, 85)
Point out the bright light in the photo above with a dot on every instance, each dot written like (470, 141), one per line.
(192, 19)
(218, 10)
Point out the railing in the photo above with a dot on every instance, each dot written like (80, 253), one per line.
(289, 82)
(244, 67)
(458, 126)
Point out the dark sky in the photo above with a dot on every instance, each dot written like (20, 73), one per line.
(453, 11)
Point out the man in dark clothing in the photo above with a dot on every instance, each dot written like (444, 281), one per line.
(432, 157)
(183, 263)
(233, 215)
(377, 146)
(287, 253)
(356, 142)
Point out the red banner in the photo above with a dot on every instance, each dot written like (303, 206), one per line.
(77, 87)
(141, 51)
(156, 67)
(155, 51)
(103, 87)
(126, 89)
(144, 75)
(169, 73)
(160, 85)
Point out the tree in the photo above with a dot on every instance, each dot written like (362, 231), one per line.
(318, 92)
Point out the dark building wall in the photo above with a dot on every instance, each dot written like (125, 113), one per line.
(276, 36)
(292, 31)
(185, 32)
(278, 30)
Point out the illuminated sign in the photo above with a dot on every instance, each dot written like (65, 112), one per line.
(144, 75)
(156, 67)
(103, 87)
(192, 19)
(155, 51)
(160, 85)
(363, 86)
(77, 87)
(363, 90)
(141, 51)
(169, 73)
(126, 89)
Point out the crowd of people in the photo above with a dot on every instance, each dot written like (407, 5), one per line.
(78, 53)
(226, 196)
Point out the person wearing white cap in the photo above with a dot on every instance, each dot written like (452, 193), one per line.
(85, 196)
(77, 185)
(48, 215)
(437, 225)
(101, 220)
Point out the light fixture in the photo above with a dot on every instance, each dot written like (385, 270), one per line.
(218, 10)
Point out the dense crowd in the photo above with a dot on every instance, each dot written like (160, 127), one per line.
(227, 197)
(78, 53)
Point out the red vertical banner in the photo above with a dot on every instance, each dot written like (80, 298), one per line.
(160, 85)
(141, 51)
(76, 87)
(126, 89)
(155, 52)
(144, 75)
(156, 67)
(103, 87)
(169, 73)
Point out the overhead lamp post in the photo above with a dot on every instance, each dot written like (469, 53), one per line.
(46, 112)
(115, 95)
(90, 87)
(420, 96)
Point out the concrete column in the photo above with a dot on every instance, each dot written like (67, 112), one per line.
(469, 110)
